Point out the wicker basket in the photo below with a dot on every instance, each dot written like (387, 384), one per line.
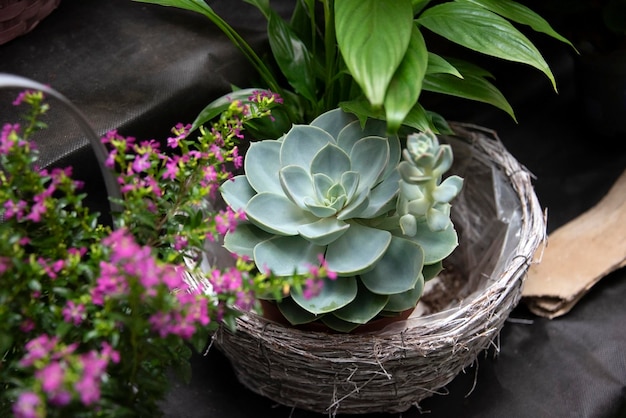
(18, 17)
(500, 225)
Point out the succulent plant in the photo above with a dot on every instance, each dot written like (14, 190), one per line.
(338, 188)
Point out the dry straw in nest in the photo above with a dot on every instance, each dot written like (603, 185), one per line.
(18, 17)
(500, 225)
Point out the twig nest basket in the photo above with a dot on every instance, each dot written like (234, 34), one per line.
(500, 225)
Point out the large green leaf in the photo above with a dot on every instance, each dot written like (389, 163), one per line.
(373, 36)
(439, 65)
(334, 294)
(292, 56)
(406, 84)
(521, 14)
(470, 87)
(479, 29)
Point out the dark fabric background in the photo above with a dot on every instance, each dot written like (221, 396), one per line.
(141, 69)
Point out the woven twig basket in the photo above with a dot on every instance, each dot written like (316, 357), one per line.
(18, 17)
(500, 224)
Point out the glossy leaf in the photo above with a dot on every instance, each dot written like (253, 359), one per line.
(439, 65)
(470, 87)
(479, 29)
(406, 84)
(292, 56)
(373, 36)
(521, 14)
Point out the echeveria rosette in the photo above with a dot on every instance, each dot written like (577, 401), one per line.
(330, 188)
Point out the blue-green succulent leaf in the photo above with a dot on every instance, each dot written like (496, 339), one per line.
(332, 322)
(237, 192)
(294, 313)
(444, 159)
(398, 270)
(285, 256)
(448, 189)
(277, 214)
(334, 294)
(365, 306)
(319, 210)
(382, 198)
(369, 158)
(301, 144)
(322, 184)
(243, 240)
(324, 231)
(408, 225)
(297, 184)
(356, 206)
(358, 250)
(438, 219)
(262, 164)
(432, 270)
(350, 182)
(437, 245)
(332, 161)
(406, 300)
(333, 121)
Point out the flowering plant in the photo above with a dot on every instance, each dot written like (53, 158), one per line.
(374, 57)
(93, 315)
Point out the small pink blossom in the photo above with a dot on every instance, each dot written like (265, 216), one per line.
(27, 406)
(73, 313)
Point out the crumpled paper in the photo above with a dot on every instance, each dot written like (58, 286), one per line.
(578, 255)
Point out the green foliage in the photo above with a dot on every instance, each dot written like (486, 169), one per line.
(370, 56)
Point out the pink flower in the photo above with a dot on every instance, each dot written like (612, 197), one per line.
(141, 163)
(51, 377)
(73, 313)
(38, 348)
(27, 406)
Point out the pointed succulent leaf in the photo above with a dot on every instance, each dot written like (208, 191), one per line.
(322, 184)
(410, 191)
(294, 313)
(406, 300)
(448, 189)
(365, 306)
(369, 158)
(382, 198)
(355, 207)
(301, 144)
(408, 225)
(358, 250)
(285, 256)
(244, 238)
(324, 231)
(332, 161)
(334, 121)
(398, 270)
(237, 192)
(437, 218)
(319, 210)
(411, 174)
(443, 160)
(350, 182)
(297, 184)
(437, 245)
(335, 294)
(277, 214)
(262, 164)
(419, 206)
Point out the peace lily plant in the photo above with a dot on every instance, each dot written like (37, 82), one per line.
(375, 57)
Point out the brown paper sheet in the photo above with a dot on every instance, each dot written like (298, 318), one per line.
(578, 254)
